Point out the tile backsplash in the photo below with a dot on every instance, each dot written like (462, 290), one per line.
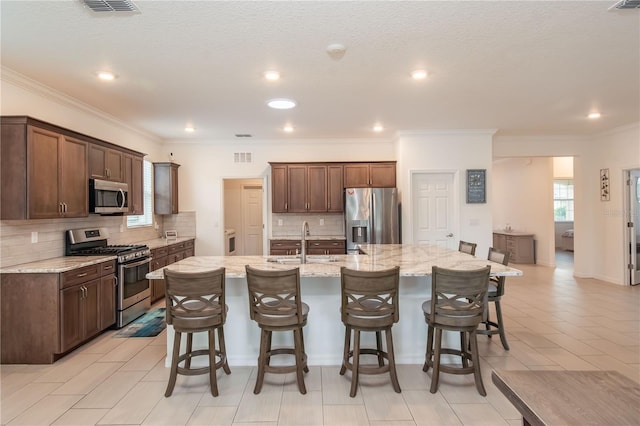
(290, 225)
(16, 244)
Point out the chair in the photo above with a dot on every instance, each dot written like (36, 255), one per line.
(458, 299)
(496, 291)
(274, 303)
(467, 247)
(369, 303)
(195, 302)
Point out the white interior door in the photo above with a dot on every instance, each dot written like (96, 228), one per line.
(433, 209)
(252, 220)
(634, 226)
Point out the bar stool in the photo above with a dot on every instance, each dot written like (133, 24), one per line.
(195, 302)
(467, 247)
(274, 303)
(458, 300)
(496, 291)
(369, 303)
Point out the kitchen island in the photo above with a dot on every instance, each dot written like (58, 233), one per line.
(320, 288)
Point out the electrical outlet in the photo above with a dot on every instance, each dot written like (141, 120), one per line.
(121, 228)
(156, 226)
(279, 222)
(321, 222)
(34, 237)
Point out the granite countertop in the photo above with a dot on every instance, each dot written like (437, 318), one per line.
(67, 263)
(514, 233)
(310, 237)
(414, 261)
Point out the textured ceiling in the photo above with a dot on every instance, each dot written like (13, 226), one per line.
(519, 67)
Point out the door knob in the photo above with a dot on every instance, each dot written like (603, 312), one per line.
(449, 235)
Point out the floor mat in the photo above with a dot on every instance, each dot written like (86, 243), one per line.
(149, 325)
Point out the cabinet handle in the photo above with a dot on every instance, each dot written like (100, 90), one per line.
(286, 206)
(108, 267)
(66, 208)
(84, 274)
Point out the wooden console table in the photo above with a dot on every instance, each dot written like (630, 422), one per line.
(571, 397)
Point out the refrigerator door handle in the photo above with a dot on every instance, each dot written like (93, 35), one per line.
(372, 219)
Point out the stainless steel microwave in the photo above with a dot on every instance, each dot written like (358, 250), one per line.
(107, 197)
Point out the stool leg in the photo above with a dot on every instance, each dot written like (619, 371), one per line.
(435, 376)
(187, 362)
(475, 358)
(429, 354)
(306, 367)
(262, 359)
(356, 363)
(213, 382)
(379, 348)
(223, 350)
(174, 363)
(392, 362)
(503, 337)
(463, 349)
(347, 348)
(268, 348)
(297, 343)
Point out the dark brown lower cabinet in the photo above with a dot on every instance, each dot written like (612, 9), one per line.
(164, 256)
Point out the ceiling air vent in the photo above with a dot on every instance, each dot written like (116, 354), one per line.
(111, 6)
(241, 157)
(626, 4)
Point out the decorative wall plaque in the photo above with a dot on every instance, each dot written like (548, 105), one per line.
(604, 184)
(476, 186)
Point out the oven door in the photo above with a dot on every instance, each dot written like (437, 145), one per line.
(133, 287)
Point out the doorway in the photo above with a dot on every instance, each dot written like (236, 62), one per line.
(243, 214)
(434, 208)
(633, 225)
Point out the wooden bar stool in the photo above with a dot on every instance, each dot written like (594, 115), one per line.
(496, 291)
(274, 303)
(195, 302)
(369, 303)
(467, 247)
(457, 304)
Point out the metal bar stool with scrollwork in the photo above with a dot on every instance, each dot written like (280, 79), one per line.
(369, 304)
(458, 299)
(275, 304)
(195, 302)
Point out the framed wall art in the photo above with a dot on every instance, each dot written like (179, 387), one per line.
(604, 184)
(476, 186)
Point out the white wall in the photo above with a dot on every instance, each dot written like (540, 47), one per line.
(522, 191)
(451, 151)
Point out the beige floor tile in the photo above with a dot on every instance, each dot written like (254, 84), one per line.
(10, 383)
(430, 409)
(345, 415)
(68, 367)
(46, 411)
(411, 377)
(534, 340)
(104, 344)
(174, 410)
(80, 417)
(136, 405)
(382, 403)
(299, 410)
(212, 416)
(573, 345)
(528, 355)
(256, 424)
(478, 414)
(88, 379)
(336, 388)
(230, 387)
(158, 373)
(626, 354)
(312, 380)
(392, 423)
(108, 393)
(566, 359)
(14, 404)
(607, 362)
(127, 350)
(459, 389)
(503, 363)
(148, 357)
(577, 332)
(262, 407)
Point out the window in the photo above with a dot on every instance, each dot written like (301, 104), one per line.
(563, 200)
(145, 219)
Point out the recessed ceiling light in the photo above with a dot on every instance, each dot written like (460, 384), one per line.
(189, 129)
(272, 75)
(594, 115)
(106, 75)
(419, 74)
(288, 128)
(281, 103)
(378, 127)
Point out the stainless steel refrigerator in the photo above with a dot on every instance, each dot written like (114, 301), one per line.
(371, 216)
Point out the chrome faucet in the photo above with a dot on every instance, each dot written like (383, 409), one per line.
(303, 242)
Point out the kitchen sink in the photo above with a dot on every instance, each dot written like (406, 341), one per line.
(296, 260)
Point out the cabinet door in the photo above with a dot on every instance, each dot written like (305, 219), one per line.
(106, 163)
(107, 301)
(500, 242)
(279, 189)
(73, 177)
(71, 327)
(114, 160)
(316, 189)
(335, 189)
(356, 175)
(297, 188)
(165, 188)
(44, 158)
(133, 176)
(382, 175)
(174, 190)
(91, 309)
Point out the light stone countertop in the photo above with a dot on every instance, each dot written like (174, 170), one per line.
(515, 233)
(414, 261)
(163, 242)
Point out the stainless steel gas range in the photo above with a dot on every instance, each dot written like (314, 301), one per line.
(133, 262)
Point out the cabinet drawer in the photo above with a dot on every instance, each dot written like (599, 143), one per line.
(80, 275)
(159, 252)
(326, 244)
(174, 248)
(285, 244)
(107, 268)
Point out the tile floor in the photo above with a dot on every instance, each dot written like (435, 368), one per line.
(554, 321)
